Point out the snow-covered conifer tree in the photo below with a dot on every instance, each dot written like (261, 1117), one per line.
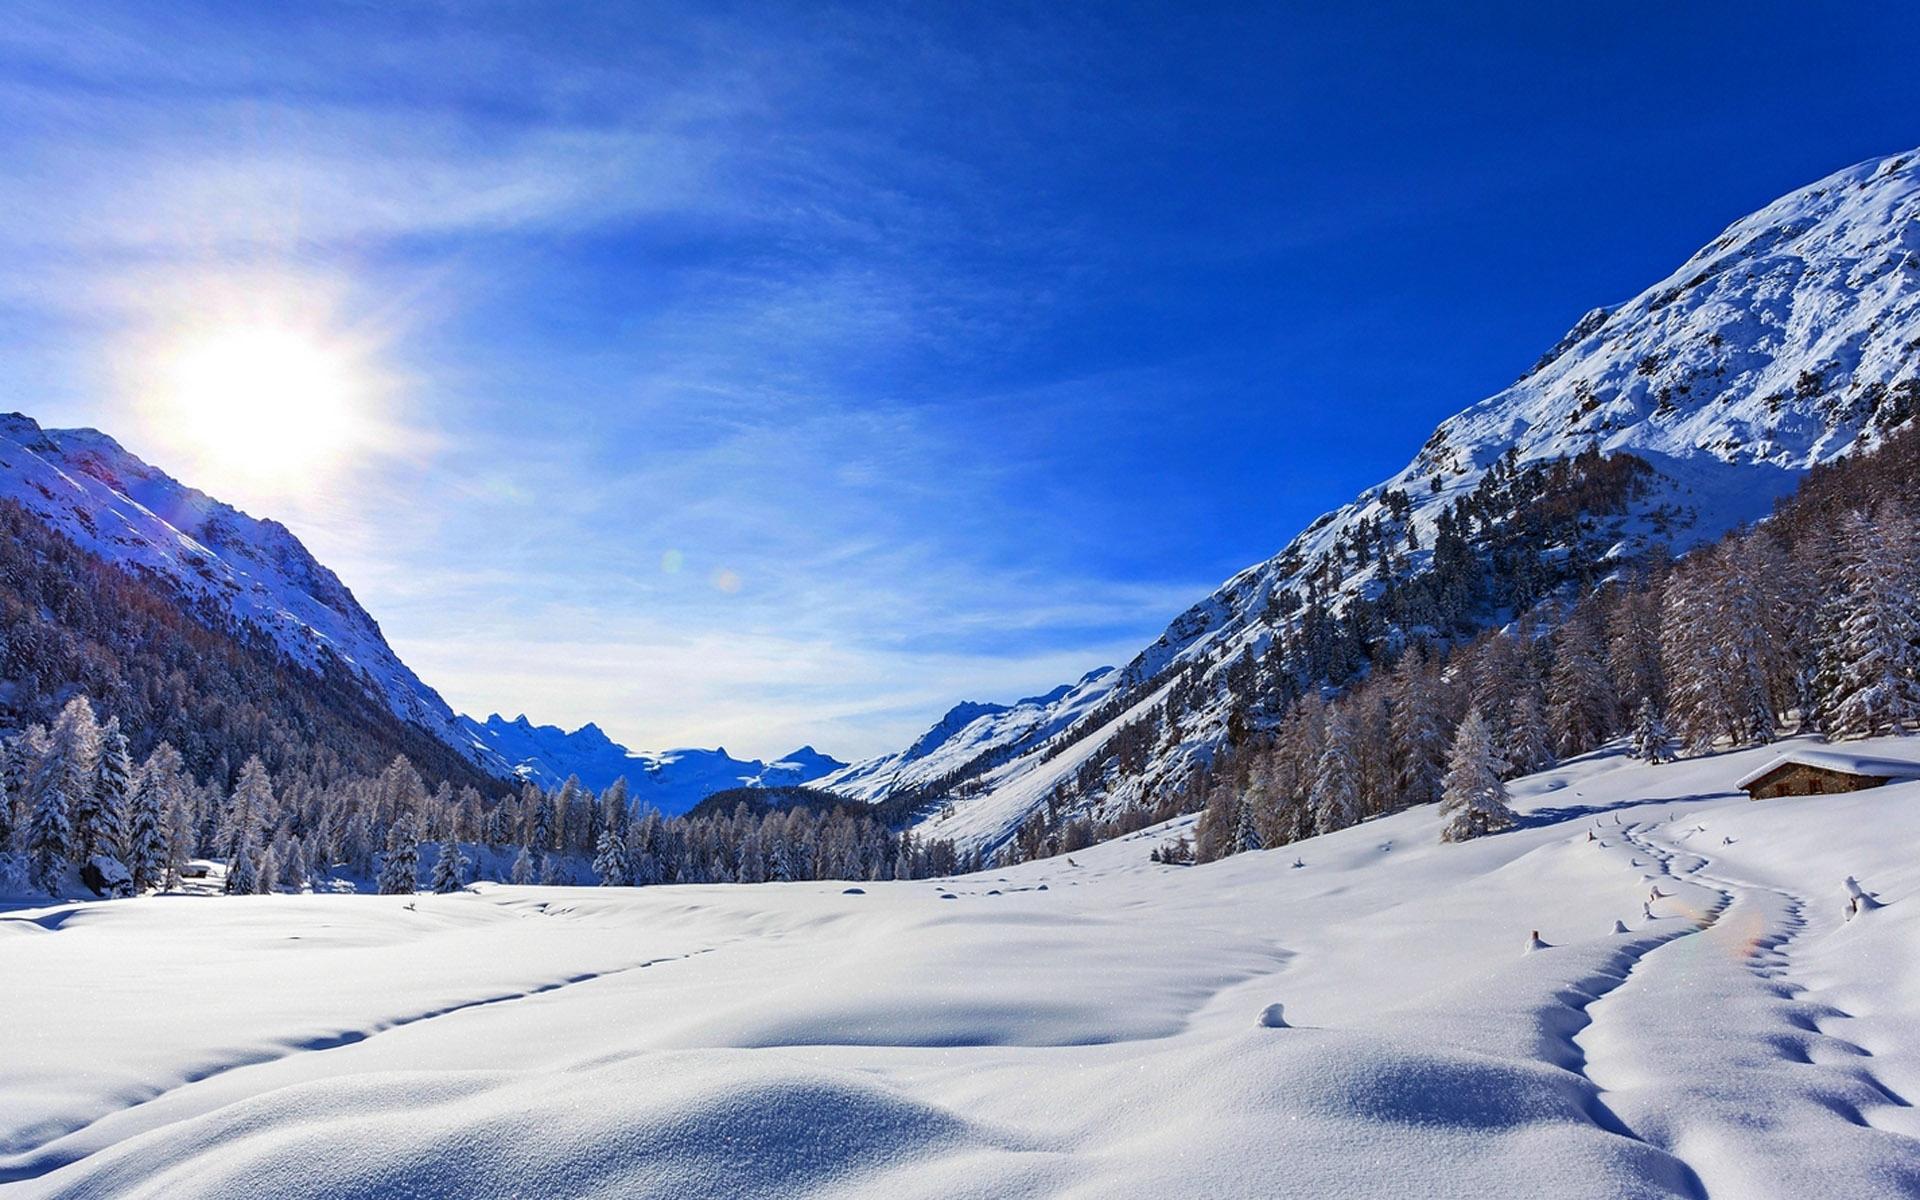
(400, 865)
(242, 824)
(753, 857)
(448, 868)
(100, 816)
(540, 824)
(7, 798)
(61, 784)
(1335, 793)
(1418, 737)
(266, 875)
(522, 872)
(610, 863)
(149, 811)
(49, 832)
(182, 840)
(613, 807)
(1875, 685)
(1580, 697)
(1651, 740)
(292, 860)
(1246, 830)
(1474, 800)
(1529, 745)
(1633, 648)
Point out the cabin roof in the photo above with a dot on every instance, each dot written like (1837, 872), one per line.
(1838, 761)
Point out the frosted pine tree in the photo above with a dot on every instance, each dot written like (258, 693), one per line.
(1633, 648)
(1876, 668)
(613, 807)
(49, 832)
(6, 799)
(1246, 830)
(100, 818)
(62, 783)
(400, 865)
(1651, 741)
(1474, 800)
(148, 812)
(1416, 732)
(448, 867)
(553, 872)
(1721, 649)
(1580, 698)
(267, 871)
(753, 857)
(292, 860)
(182, 841)
(1529, 737)
(1335, 794)
(522, 872)
(243, 875)
(610, 863)
(540, 825)
(646, 843)
(241, 826)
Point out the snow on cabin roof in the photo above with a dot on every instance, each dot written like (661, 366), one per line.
(1835, 760)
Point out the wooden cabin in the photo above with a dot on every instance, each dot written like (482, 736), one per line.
(1822, 773)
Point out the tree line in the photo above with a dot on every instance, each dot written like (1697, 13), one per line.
(1808, 621)
(73, 798)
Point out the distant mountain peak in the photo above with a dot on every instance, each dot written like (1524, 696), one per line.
(671, 780)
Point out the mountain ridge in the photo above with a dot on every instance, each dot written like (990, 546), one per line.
(1791, 339)
(672, 781)
(221, 562)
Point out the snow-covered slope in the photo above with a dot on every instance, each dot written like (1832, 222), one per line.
(225, 565)
(969, 731)
(1093, 1026)
(1790, 340)
(670, 780)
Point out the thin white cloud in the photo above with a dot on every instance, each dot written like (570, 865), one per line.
(852, 560)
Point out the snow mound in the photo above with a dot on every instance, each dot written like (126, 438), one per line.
(692, 1124)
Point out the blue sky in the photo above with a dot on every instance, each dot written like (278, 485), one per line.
(756, 375)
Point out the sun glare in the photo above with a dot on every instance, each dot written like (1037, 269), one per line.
(263, 399)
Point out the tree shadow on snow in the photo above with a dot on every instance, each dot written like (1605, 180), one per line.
(1540, 817)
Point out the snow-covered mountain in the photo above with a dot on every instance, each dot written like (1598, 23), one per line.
(670, 780)
(225, 566)
(969, 730)
(1790, 340)
(239, 571)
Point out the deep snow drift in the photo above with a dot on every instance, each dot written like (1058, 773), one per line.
(1092, 1026)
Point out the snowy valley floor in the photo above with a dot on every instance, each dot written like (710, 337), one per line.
(1086, 1028)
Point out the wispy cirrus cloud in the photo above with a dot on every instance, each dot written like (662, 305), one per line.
(714, 406)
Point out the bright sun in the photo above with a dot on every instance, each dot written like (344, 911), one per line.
(264, 399)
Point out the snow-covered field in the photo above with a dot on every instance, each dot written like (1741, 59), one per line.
(1080, 1027)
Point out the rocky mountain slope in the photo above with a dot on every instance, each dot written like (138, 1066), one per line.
(228, 569)
(1790, 340)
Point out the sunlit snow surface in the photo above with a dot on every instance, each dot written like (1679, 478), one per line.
(1084, 1028)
